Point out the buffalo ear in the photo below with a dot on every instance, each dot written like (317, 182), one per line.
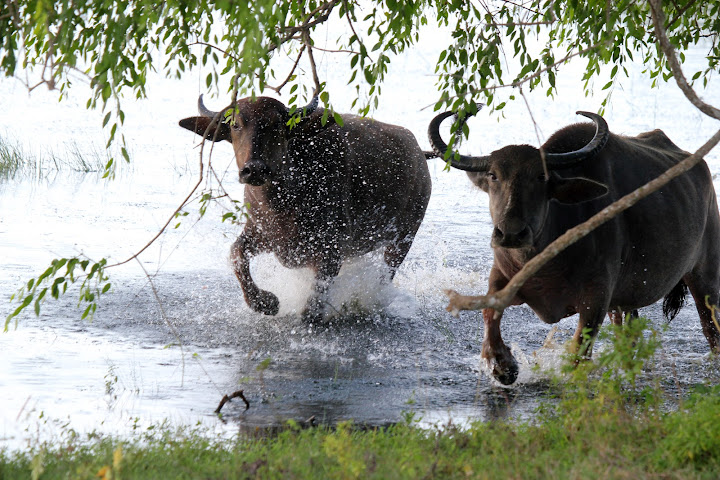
(575, 190)
(200, 125)
(479, 179)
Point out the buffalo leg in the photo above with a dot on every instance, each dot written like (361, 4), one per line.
(259, 300)
(315, 307)
(590, 320)
(706, 293)
(500, 360)
(704, 281)
(396, 252)
(617, 316)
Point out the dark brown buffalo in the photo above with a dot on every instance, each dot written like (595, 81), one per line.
(665, 244)
(318, 194)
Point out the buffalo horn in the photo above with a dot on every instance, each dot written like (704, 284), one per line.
(312, 106)
(308, 109)
(463, 162)
(556, 161)
(204, 111)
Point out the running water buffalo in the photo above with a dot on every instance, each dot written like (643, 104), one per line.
(318, 194)
(665, 244)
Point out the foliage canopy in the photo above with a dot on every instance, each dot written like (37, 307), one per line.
(496, 43)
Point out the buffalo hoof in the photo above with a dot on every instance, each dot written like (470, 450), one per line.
(505, 373)
(266, 303)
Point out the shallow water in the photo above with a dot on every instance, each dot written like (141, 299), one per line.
(168, 346)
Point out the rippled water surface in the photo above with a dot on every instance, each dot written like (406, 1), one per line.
(168, 345)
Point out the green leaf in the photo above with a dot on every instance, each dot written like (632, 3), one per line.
(369, 77)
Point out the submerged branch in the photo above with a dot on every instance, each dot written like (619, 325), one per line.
(226, 398)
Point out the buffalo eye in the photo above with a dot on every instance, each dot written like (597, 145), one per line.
(236, 122)
(491, 176)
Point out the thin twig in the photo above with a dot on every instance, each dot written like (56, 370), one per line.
(15, 12)
(182, 204)
(327, 7)
(519, 24)
(679, 14)
(548, 68)
(164, 227)
(351, 24)
(498, 34)
(165, 318)
(292, 71)
(332, 50)
(534, 12)
(539, 72)
(215, 47)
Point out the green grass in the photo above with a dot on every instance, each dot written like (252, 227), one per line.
(11, 159)
(602, 423)
(15, 161)
(682, 444)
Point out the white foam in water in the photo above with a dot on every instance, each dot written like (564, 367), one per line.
(538, 365)
(361, 286)
(549, 358)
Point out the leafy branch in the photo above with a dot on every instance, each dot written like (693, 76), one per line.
(55, 281)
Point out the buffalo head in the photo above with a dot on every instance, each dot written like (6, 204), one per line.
(258, 130)
(518, 187)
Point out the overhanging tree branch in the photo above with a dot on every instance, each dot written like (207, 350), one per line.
(313, 66)
(658, 17)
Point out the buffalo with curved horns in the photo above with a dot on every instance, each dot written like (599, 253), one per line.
(318, 194)
(665, 244)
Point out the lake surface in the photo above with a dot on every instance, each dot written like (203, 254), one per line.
(167, 345)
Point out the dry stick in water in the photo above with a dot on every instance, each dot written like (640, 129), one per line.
(227, 398)
(502, 299)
